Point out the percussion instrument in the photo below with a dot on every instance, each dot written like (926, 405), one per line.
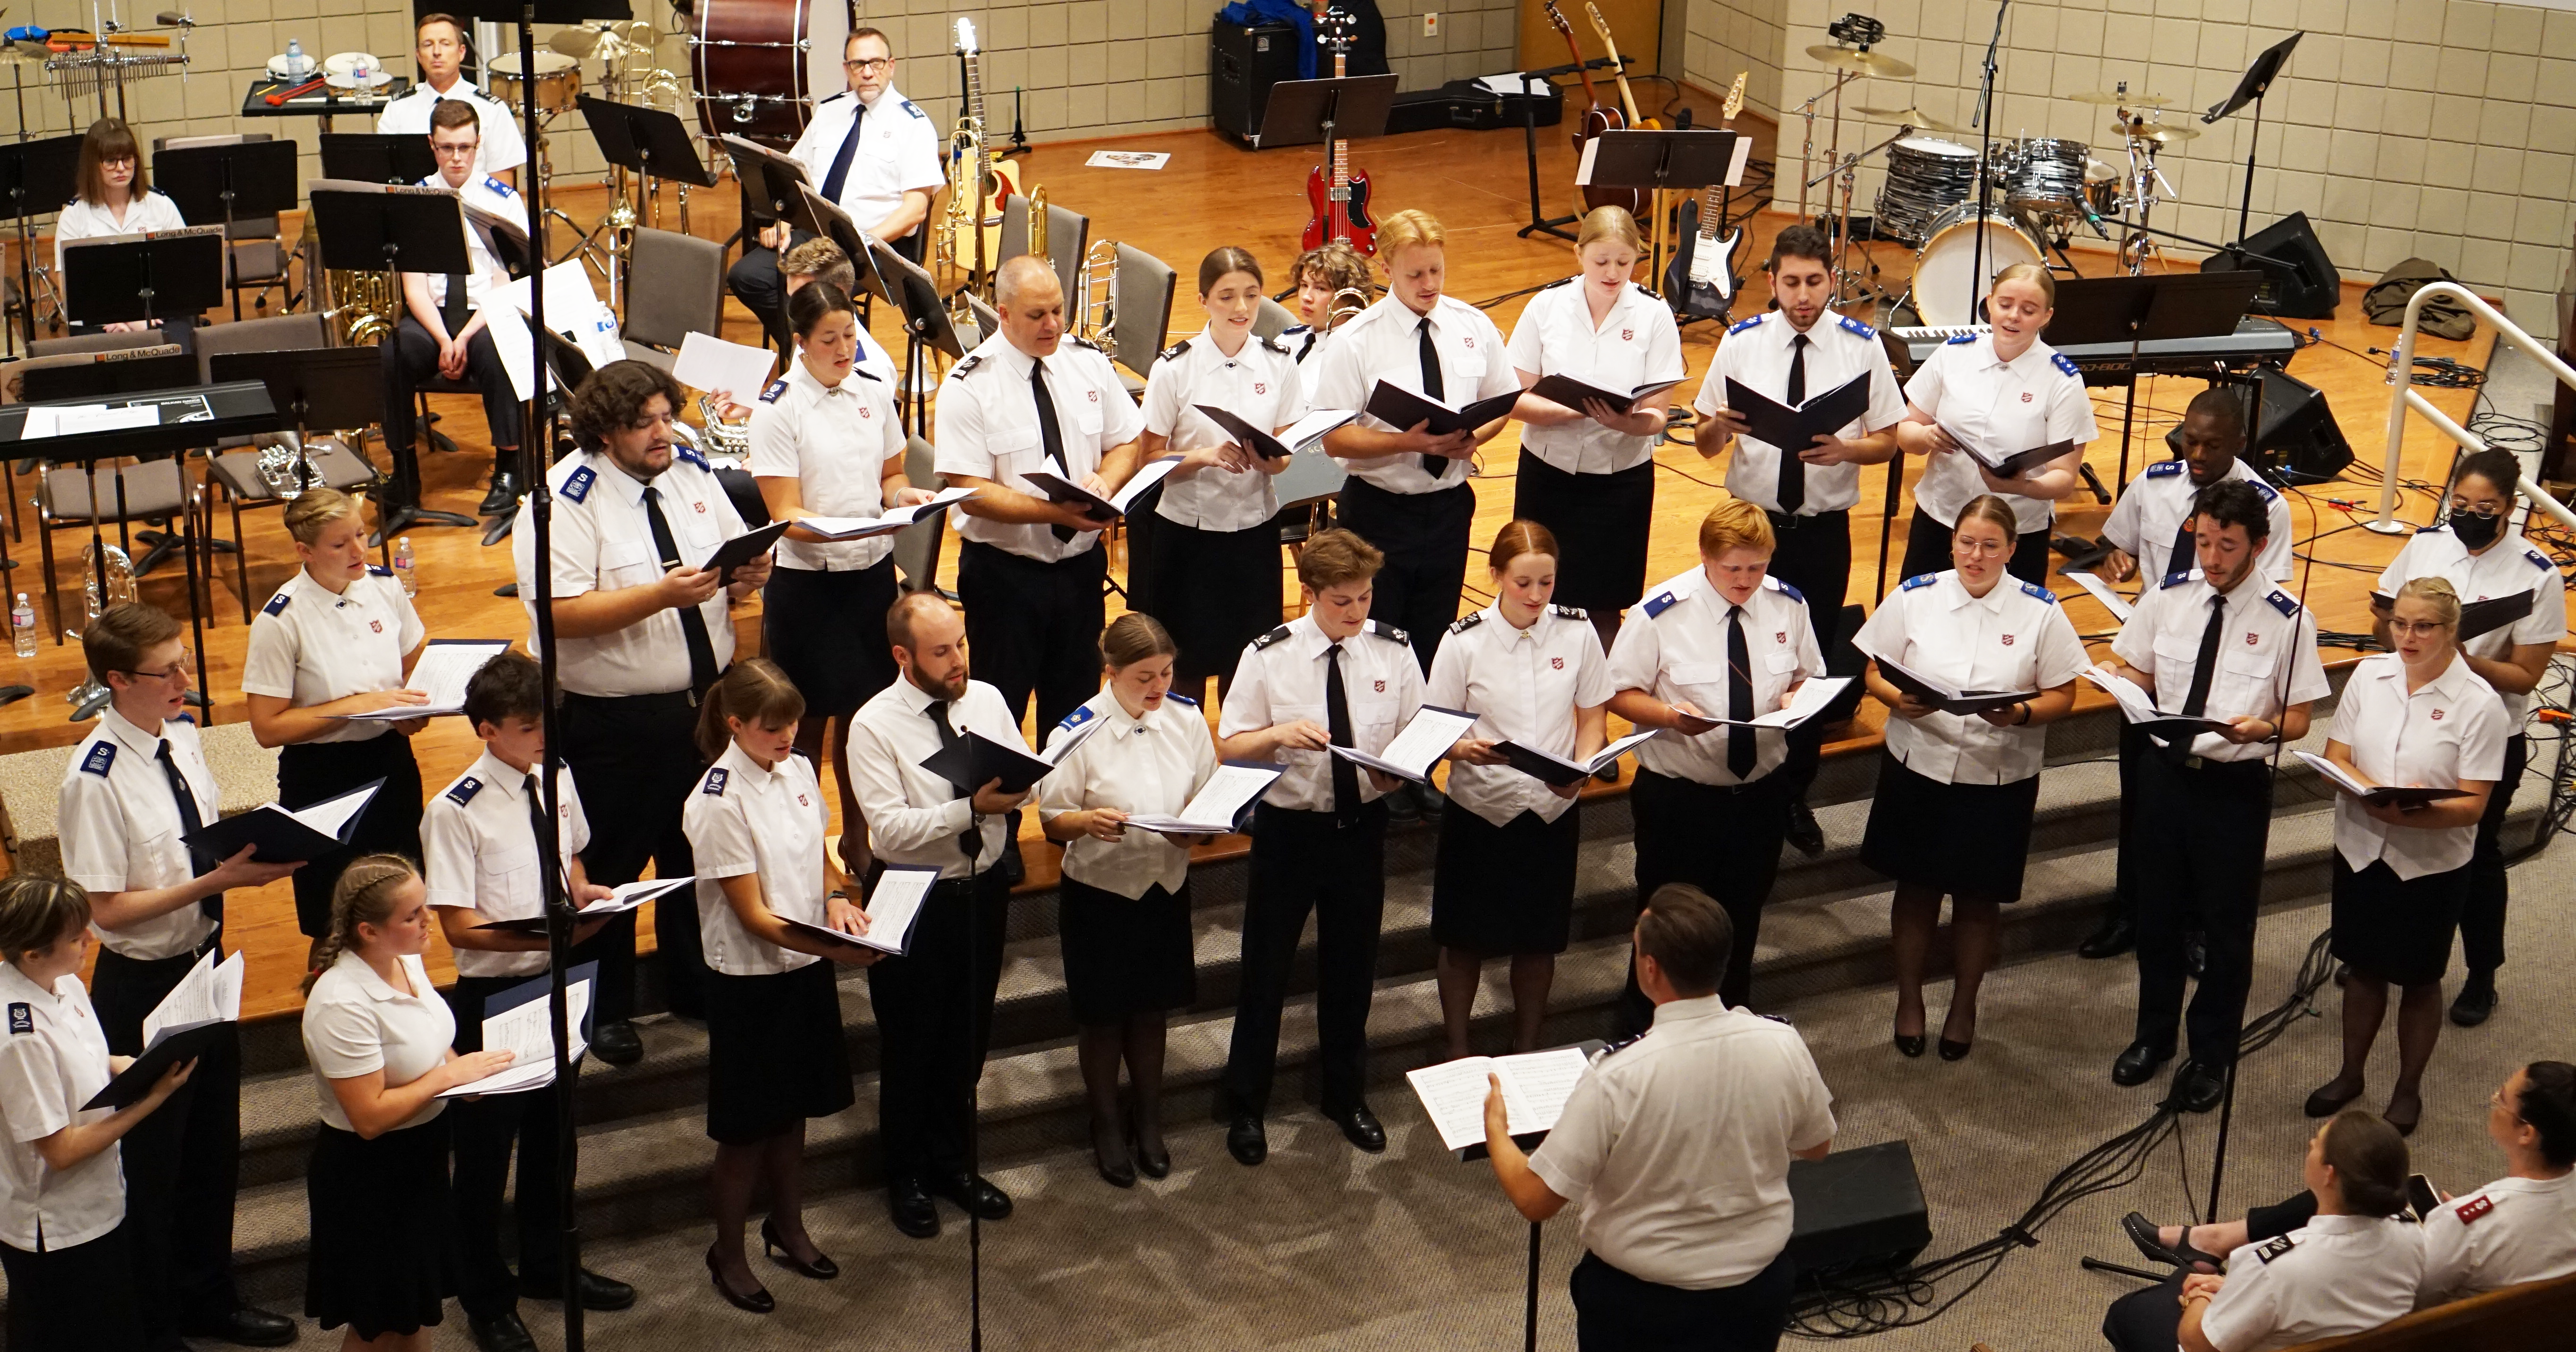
(2045, 176)
(2155, 132)
(558, 80)
(1925, 176)
(2102, 188)
(2121, 98)
(1832, 57)
(353, 70)
(1942, 269)
(760, 65)
(1909, 116)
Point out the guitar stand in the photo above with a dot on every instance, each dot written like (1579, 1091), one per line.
(1540, 223)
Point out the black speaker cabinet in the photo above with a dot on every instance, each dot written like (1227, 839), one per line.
(1857, 1210)
(2299, 441)
(1242, 65)
(2309, 288)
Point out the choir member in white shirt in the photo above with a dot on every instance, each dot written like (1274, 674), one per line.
(63, 1240)
(2150, 528)
(1210, 559)
(1588, 474)
(439, 45)
(338, 639)
(1534, 675)
(1124, 916)
(381, 1252)
(776, 1055)
(2012, 393)
(2416, 716)
(1956, 793)
(2476, 550)
(1333, 283)
(116, 198)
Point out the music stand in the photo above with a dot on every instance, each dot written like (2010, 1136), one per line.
(1664, 161)
(649, 141)
(36, 178)
(2255, 83)
(371, 229)
(1310, 112)
(365, 157)
(818, 216)
(143, 280)
(339, 387)
(925, 324)
(218, 185)
(1529, 1141)
(2149, 307)
(768, 177)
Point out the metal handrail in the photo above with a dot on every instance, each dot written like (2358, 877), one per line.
(2402, 396)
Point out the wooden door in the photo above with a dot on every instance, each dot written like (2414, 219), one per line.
(1637, 24)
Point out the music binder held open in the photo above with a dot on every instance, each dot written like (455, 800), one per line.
(894, 519)
(445, 665)
(893, 905)
(1769, 421)
(2139, 708)
(2376, 795)
(1307, 431)
(285, 836)
(627, 898)
(197, 1014)
(1944, 696)
(977, 760)
(1405, 409)
(1219, 803)
(1056, 488)
(1812, 697)
(1558, 772)
(1413, 751)
(520, 1020)
(1568, 392)
(1535, 1088)
(2477, 618)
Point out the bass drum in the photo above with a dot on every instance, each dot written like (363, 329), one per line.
(759, 65)
(1948, 260)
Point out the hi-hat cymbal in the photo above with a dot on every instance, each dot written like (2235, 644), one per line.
(574, 42)
(1859, 63)
(2121, 98)
(637, 31)
(2154, 131)
(1910, 116)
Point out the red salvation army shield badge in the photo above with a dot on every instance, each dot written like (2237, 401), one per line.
(1627, 335)
(866, 412)
(375, 626)
(801, 801)
(2437, 715)
(702, 507)
(1095, 395)
(2008, 640)
(1556, 663)
(2025, 396)
(1381, 687)
(2251, 640)
(1260, 387)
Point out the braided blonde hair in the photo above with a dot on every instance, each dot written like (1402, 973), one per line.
(363, 896)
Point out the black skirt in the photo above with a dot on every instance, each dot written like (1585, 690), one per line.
(1214, 590)
(77, 1299)
(1122, 957)
(1965, 839)
(309, 772)
(1600, 523)
(382, 1257)
(2397, 930)
(775, 1052)
(1508, 889)
(827, 632)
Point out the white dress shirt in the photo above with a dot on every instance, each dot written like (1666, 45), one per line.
(1136, 765)
(2334, 1275)
(483, 269)
(1635, 343)
(1305, 344)
(1258, 384)
(1280, 679)
(82, 219)
(2015, 637)
(872, 357)
(987, 419)
(479, 852)
(310, 647)
(120, 827)
(2511, 1231)
(2451, 729)
(2264, 628)
(355, 1023)
(899, 151)
(2036, 399)
(2155, 504)
(501, 147)
(1756, 353)
(1677, 1145)
(1384, 342)
(2508, 566)
(53, 1059)
(1673, 646)
(914, 816)
(834, 441)
(602, 542)
(1524, 686)
(744, 819)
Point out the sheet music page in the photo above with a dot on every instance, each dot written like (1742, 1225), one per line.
(1424, 740)
(1063, 746)
(2111, 600)
(209, 993)
(2134, 703)
(442, 673)
(330, 814)
(891, 908)
(1214, 806)
(2334, 774)
(710, 363)
(1311, 428)
(528, 1031)
(1453, 1094)
(1811, 696)
(1145, 478)
(1543, 1081)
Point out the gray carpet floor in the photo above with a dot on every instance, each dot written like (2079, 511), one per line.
(1327, 1248)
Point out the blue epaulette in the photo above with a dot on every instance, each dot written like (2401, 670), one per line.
(1277, 635)
(1388, 632)
(2064, 363)
(1175, 352)
(716, 777)
(1569, 612)
(464, 790)
(1958, 338)
(100, 759)
(2538, 560)
(1657, 605)
(2165, 469)
(2270, 494)
(1741, 325)
(500, 187)
(576, 485)
(973, 360)
(1919, 580)
(776, 388)
(2043, 593)
(1619, 1046)
(916, 112)
(2431, 530)
(1858, 327)
(187, 718)
(2174, 579)
(2281, 602)
(276, 604)
(1773, 581)
(1467, 621)
(22, 1017)
(1175, 694)
(1081, 715)
(694, 456)
(1292, 330)
(836, 98)
(379, 570)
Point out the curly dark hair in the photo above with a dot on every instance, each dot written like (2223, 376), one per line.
(613, 398)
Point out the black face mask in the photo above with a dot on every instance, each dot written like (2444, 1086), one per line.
(2475, 531)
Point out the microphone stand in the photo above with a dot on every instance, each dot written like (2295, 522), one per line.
(1984, 127)
(974, 1088)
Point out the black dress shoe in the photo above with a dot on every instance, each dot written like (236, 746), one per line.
(1359, 1127)
(1246, 1141)
(2328, 1100)
(1803, 831)
(1155, 1163)
(1956, 1051)
(597, 1292)
(501, 1333)
(2117, 935)
(1607, 774)
(2142, 1232)
(909, 1204)
(973, 1194)
(2477, 1000)
(2198, 1087)
(501, 497)
(822, 1269)
(617, 1044)
(2138, 1064)
(1911, 1045)
(758, 1302)
(2195, 954)
(250, 1326)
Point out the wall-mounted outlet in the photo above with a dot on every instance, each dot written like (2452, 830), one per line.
(1431, 25)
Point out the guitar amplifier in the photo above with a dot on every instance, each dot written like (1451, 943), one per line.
(1857, 1211)
(1242, 65)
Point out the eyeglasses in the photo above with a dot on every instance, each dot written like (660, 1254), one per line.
(443, 149)
(178, 672)
(2484, 511)
(2495, 1099)
(871, 65)
(1979, 548)
(2417, 628)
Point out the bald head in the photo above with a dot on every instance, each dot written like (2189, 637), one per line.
(929, 642)
(1032, 304)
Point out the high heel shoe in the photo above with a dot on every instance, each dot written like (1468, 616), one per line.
(2327, 1101)
(2404, 1112)
(1910, 1044)
(1150, 1163)
(822, 1269)
(1120, 1174)
(1956, 1051)
(758, 1302)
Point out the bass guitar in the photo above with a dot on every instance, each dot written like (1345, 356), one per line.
(1337, 194)
(1700, 282)
(1598, 117)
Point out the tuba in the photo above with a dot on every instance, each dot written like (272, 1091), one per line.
(358, 307)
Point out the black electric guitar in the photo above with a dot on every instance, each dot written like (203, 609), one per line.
(1701, 281)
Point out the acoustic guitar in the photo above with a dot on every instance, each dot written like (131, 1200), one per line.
(1619, 70)
(1700, 282)
(1337, 194)
(1598, 117)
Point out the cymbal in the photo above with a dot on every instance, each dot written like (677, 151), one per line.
(574, 42)
(1910, 116)
(2121, 98)
(32, 55)
(640, 32)
(1859, 63)
(2157, 132)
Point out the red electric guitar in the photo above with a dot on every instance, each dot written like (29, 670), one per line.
(1338, 194)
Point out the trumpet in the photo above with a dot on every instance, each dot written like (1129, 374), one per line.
(1358, 299)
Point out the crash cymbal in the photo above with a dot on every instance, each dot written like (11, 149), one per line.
(1912, 117)
(31, 55)
(636, 31)
(1860, 63)
(2121, 98)
(574, 42)
(2154, 131)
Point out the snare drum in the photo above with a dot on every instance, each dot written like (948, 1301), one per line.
(1925, 176)
(558, 80)
(2104, 189)
(2047, 177)
(1942, 269)
(760, 65)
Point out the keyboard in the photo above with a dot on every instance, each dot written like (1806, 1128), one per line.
(2254, 340)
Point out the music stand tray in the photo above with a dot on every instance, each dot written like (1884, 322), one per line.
(1355, 105)
(37, 177)
(259, 177)
(647, 141)
(146, 279)
(366, 228)
(106, 379)
(1676, 161)
(366, 157)
(2162, 306)
(925, 319)
(778, 176)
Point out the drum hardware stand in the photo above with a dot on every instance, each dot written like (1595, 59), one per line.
(2256, 82)
(1983, 126)
(1848, 281)
(1807, 148)
(1540, 223)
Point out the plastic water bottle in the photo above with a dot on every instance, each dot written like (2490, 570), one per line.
(22, 626)
(297, 63)
(404, 568)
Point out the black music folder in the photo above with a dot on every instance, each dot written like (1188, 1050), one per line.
(286, 836)
(743, 548)
(2477, 618)
(1570, 392)
(1401, 408)
(1944, 697)
(1795, 429)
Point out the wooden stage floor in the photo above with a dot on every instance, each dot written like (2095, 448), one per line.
(1214, 193)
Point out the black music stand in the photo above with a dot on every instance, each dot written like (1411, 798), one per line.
(218, 185)
(365, 157)
(648, 141)
(36, 178)
(1311, 112)
(170, 275)
(818, 216)
(925, 323)
(1529, 1141)
(340, 387)
(2256, 82)
(1659, 161)
(769, 179)
(105, 380)
(2148, 308)
(366, 230)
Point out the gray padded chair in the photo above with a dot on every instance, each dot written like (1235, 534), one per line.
(235, 471)
(1272, 319)
(156, 490)
(94, 342)
(1140, 313)
(686, 295)
(916, 547)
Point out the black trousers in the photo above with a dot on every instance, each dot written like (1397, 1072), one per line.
(1034, 628)
(934, 1008)
(481, 1133)
(2124, 872)
(1723, 840)
(1302, 862)
(636, 759)
(757, 284)
(182, 1163)
(2482, 923)
(309, 772)
(79, 1299)
(2280, 1218)
(1617, 1312)
(2199, 839)
(1927, 550)
(1424, 537)
(411, 358)
(2148, 1319)
(1813, 555)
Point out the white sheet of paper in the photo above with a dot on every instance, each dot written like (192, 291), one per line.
(2334, 774)
(1735, 166)
(100, 418)
(2101, 590)
(2135, 705)
(1063, 746)
(1128, 159)
(1806, 702)
(41, 423)
(1144, 478)
(1535, 1088)
(441, 674)
(509, 330)
(329, 815)
(898, 898)
(209, 993)
(1309, 430)
(709, 363)
(529, 1031)
(1212, 809)
(1424, 740)
(895, 518)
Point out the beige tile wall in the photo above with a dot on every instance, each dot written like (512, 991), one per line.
(2439, 128)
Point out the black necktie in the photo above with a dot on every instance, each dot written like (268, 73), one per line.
(452, 309)
(841, 163)
(693, 625)
(189, 821)
(536, 811)
(2197, 702)
(1740, 753)
(1050, 434)
(949, 741)
(2186, 549)
(1433, 465)
(1337, 720)
(1793, 471)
